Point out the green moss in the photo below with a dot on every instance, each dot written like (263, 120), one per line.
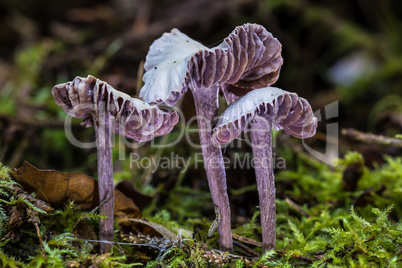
(330, 233)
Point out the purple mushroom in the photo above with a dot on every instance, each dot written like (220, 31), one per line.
(250, 57)
(265, 109)
(109, 110)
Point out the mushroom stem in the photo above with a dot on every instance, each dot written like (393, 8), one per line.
(261, 139)
(105, 178)
(206, 108)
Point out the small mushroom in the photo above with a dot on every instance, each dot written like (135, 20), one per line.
(250, 56)
(264, 109)
(109, 110)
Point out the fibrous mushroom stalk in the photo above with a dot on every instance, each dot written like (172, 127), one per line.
(213, 162)
(261, 142)
(105, 177)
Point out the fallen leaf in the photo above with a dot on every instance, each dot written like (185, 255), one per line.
(128, 189)
(124, 206)
(144, 227)
(59, 188)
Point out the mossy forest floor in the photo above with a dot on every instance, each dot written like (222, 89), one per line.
(320, 223)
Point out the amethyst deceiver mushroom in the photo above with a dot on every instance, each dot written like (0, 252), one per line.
(265, 109)
(250, 57)
(110, 110)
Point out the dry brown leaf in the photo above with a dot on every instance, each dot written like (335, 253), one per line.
(124, 206)
(59, 188)
(128, 189)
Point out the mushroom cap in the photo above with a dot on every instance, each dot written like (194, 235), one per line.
(249, 58)
(133, 118)
(166, 65)
(285, 110)
(259, 53)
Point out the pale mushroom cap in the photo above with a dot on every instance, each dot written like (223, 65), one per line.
(131, 117)
(166, 67)
(285, 110)
(249, 58)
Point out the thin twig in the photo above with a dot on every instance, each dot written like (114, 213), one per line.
(32, 122)
(371, 238)
(246, 250)
(371, 138)
(297, 207)
(247, 240)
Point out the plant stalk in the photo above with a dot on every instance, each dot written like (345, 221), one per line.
(105, 178)
(206, 108)
(261, 139)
